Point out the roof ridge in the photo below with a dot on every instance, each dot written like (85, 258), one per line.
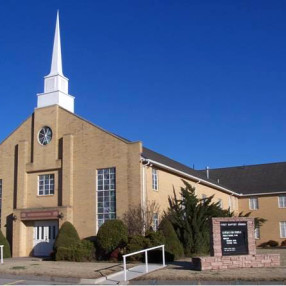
(243, 166)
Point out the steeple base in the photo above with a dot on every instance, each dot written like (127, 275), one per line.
(56, 97)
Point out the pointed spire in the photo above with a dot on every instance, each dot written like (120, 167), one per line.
(56, 67)
(56, 85)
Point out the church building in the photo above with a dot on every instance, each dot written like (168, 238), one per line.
(57, 167)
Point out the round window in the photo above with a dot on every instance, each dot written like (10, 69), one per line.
(45, 135)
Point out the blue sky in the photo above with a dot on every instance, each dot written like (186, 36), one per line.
(202, 82)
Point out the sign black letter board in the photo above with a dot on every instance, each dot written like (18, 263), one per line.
(234, 238)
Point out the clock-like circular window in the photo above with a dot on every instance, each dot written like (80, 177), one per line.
(45, 135)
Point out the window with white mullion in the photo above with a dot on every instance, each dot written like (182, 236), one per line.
(106, 197)
(154, 179)
(283, 229)
(282, 201)
(257, 233)
(46, 185)
(253, 204)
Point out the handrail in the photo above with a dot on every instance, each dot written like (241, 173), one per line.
(1, 248)
(146, 257)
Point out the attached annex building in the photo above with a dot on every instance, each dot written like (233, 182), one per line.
(57, 167)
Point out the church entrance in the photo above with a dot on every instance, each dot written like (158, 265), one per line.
(44, 236)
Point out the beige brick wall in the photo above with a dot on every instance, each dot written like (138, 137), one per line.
(167, 181)
(77, 150)
(268, 209)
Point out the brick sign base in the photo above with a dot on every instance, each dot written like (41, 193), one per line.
(236, 261)
(220, 261)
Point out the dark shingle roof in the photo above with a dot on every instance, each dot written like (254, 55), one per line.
(252, 179)
(152, 155)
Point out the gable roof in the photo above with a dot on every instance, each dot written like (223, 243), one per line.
(183, 169)
(252, 179)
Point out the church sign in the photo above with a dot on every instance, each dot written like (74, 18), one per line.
(234, 237)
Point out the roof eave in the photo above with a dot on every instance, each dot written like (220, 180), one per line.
(191, 176)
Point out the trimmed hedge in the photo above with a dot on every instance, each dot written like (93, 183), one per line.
(67, 236)
(111, 235)
(6, 248)
(173, 245)
(83, 251)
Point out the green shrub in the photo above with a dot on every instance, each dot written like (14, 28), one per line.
(173, 245)
(67, 236)
(136, 243)
(156, 238)
(83, 251)
(273, 243)
(111, 235)
(269, 243)
(6, 248)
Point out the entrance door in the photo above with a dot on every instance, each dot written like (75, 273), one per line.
(45, 233)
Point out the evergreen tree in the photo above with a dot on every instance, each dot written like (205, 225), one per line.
(190, 217)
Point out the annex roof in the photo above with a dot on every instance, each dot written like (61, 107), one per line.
(159, 158)
(252, 179)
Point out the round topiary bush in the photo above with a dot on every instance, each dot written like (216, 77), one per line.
(6, 248)
(111, 235)
(67, 236)
(172, 242)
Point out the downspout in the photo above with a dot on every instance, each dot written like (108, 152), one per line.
(143, 197)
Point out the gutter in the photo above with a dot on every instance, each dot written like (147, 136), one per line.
(261, 194)
(190, 176)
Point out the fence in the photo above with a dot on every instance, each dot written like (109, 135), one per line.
(146, 258)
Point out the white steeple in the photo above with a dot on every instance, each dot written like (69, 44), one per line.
(56, 67)
(56, 84)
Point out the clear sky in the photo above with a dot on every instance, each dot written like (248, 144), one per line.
(202, 82)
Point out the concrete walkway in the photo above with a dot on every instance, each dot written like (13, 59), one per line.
(134, 272)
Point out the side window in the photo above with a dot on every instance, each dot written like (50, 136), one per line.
(257, 233)
(155, 221)
(220, 204)
(253, 204)
(283, 229)
(282, 201)
(154, 179)
(106, 195)
(204, 197)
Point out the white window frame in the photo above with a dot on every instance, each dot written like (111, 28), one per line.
(155, 181)
(253, 203)
(282, 227)
(105, 193)
(257, 233)
(282, 201)
(220, 203)
(48, 189)
(204, 197)
(155, 221)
